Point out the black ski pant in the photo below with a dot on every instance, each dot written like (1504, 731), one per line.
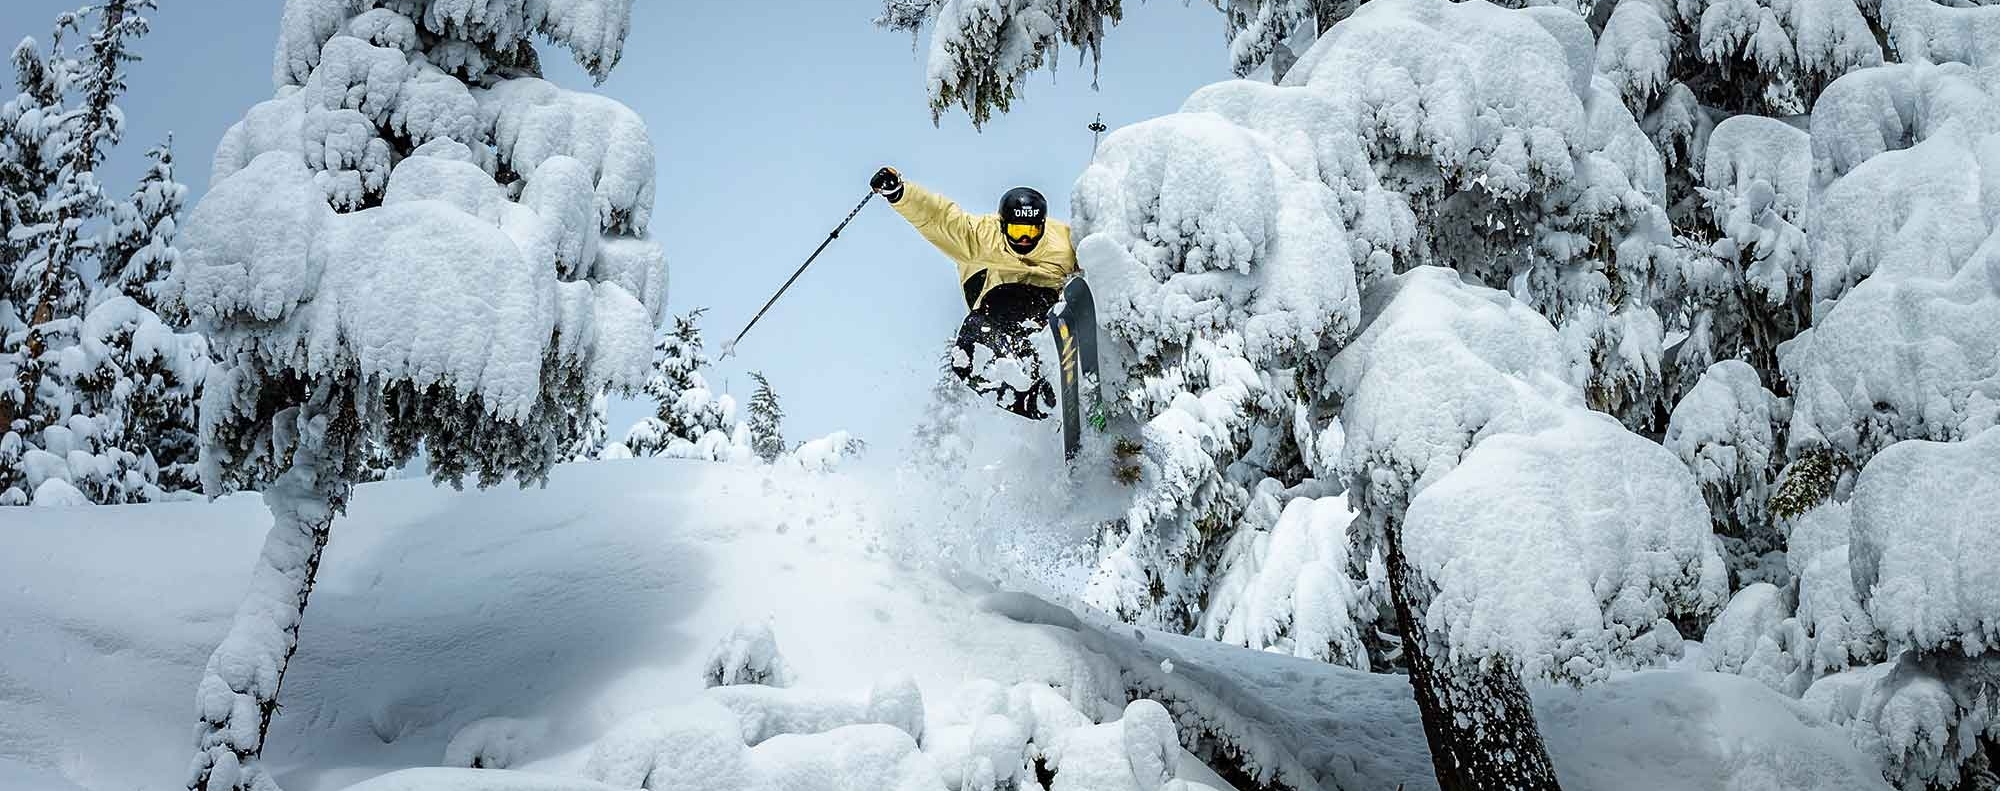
(1005, 325)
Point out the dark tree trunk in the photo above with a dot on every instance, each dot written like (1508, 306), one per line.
(1478, 719)
(239, 688)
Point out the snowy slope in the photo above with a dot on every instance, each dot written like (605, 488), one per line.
(579, 607)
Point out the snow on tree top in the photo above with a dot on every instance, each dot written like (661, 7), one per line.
(1439, 366)
(419, 290)
(1546, 554)
(593, 30)
(1906, 271)
(1924, 543)
(1746, 151)
(1893, 107)
(1446, 80)
(1456, 403)
(1921, 30)
(1633, 52)
(1212, 231)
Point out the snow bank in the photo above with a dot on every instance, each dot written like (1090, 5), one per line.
(589, 604)
(748, 656)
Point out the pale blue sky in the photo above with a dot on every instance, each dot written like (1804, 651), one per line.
(768, 118)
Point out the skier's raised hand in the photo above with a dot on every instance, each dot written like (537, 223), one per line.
(887, 182)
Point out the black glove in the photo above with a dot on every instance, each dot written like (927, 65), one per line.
(889, 183)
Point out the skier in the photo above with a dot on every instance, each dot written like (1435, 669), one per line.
(1011, 266)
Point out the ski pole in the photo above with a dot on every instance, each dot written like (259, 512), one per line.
(729, 348)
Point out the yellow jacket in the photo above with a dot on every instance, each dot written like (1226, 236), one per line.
(975, 243)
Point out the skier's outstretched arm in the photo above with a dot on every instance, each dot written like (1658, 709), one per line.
(941, 221)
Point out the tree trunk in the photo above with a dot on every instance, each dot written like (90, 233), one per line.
(1478, 718)
(239, 688)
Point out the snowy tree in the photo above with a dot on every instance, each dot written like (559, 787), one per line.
(31, 133)
(1921, 562)
(111, 391)
(1683, 66)
(419, 242)
(49, 276)
(1215, 296)
(689, 420)
(1230, 243)
(139, 252)
(1744, 270)
(37, 139)
(1729, 431)
(1504, 513)
(982, 51)
(134, 373)
(590, 442)
(767, 418)
(1901, 345)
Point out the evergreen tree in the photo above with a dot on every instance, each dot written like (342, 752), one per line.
(442, 259)
(591, 441)
(139, 251)
(685, 411)
(61, 248)
(35, 131)
(766, 421)
(143, 380)
(103, 384)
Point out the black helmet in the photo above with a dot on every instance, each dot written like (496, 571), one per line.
(1024, 206)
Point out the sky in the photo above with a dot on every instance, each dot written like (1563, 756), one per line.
(768, 119)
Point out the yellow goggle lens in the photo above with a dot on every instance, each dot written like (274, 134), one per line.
(1020, 232)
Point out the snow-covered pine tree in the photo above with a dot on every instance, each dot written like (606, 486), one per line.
(1743, 268)
(1684, 66)
(688, 420)
(982, 50)
(1735, 189)
(36, 136)
(140, 378)
(767, 419)
(60, 248)
(420, 242)
(590, 443)
(139, 252)
(1228, 302)
(31, 131)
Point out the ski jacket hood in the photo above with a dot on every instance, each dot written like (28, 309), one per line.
(976, 244)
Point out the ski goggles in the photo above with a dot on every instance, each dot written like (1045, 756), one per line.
(1021, 233)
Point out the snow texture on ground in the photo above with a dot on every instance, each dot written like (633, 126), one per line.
(575, 609)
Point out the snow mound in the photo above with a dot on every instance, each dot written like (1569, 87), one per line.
(585, 609)
(749, 655)
(475, 780)
(494, 743)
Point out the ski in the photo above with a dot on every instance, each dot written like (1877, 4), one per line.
(1074, 322)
